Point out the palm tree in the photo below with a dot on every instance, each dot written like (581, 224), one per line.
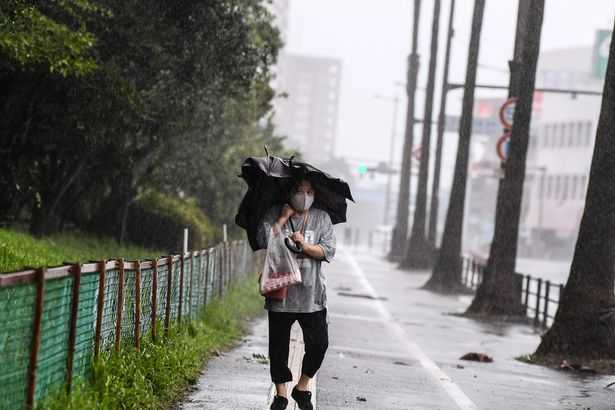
(446, 275)
(419, 253)
(398, 240)
(584, 325)
(500, 291)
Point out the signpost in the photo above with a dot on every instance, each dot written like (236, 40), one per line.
(507, 112)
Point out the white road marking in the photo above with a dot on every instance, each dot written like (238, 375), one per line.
(441, 378)
(356, 317)
(369, 352)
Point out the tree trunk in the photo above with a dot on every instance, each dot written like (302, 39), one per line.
(400, 232)
(419, 254)
(446, 275)
(435, 189)
(500, 291)
(584, 325)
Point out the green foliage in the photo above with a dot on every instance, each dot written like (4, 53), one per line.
(157, 376)
(18, 250)
(179, 96)
(32, 35)
(158, 220)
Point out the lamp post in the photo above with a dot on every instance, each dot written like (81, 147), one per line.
(387, 198)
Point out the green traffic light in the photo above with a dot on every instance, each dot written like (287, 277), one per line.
(362, 169)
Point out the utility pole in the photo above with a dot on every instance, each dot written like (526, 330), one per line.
(419, 253)
(435, 191)
(400, 232)
(446, 275)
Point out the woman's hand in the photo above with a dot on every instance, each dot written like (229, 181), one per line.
(287, 212)
(298, 237)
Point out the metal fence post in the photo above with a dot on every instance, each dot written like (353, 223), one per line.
(181, 289)
(167, 313)
(36, 336)
(537, 312)
(72, 335)
(119, 305)
(207, 279)
(191, 262)
(138, 306)
(527, 293)
(154, 311)
(220, 269)
(100, 306)
(546, 305)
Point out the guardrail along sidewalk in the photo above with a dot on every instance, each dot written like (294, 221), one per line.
(539, 297)
(54, 321)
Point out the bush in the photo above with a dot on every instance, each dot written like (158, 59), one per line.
(158, 220)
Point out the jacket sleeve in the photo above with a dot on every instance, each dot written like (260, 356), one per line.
(264, 227)
(327, 238)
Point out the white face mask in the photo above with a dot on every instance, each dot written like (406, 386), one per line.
(301, 201)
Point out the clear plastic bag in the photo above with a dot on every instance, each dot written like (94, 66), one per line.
(281, 268)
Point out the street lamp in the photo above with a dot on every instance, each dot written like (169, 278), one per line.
(387, 198)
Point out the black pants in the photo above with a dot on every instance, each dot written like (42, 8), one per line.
(315, 337)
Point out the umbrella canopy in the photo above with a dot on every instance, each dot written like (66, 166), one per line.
(270, 179)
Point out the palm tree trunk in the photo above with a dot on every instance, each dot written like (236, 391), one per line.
(419, 254)
(584, 325)
(446, 276)
(500, 290)
(400, 232)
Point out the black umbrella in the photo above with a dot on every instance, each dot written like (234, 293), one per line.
(269, 180)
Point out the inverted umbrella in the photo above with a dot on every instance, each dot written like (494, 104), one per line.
(269, 180)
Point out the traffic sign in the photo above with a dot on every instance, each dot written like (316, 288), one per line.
(507, 112)
(416, 153)
(502, 146)
(601, 53)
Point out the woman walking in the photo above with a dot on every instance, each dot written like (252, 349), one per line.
(305, 303)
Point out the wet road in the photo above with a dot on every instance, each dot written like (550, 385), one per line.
(390, 376)
(395, 346)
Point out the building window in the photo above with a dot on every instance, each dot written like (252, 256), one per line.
(579, 133)
(588, 133)
(573, 187)
(583, 186)
(558, 187)
(565, 181)
(571, 134)
(550, 186)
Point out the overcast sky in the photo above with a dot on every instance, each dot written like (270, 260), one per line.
(372, 38)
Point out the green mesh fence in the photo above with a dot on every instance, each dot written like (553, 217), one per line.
(16, 313)
(206, 275)
(86, 324)
(54, 336)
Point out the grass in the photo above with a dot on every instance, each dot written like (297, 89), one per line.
(18, 250)
(589, 366)
(157, 376)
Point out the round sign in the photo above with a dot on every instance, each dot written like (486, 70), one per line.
(507, 112)
(502, 146)
(416, 153)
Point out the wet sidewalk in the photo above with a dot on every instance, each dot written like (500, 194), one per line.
(395, 346)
